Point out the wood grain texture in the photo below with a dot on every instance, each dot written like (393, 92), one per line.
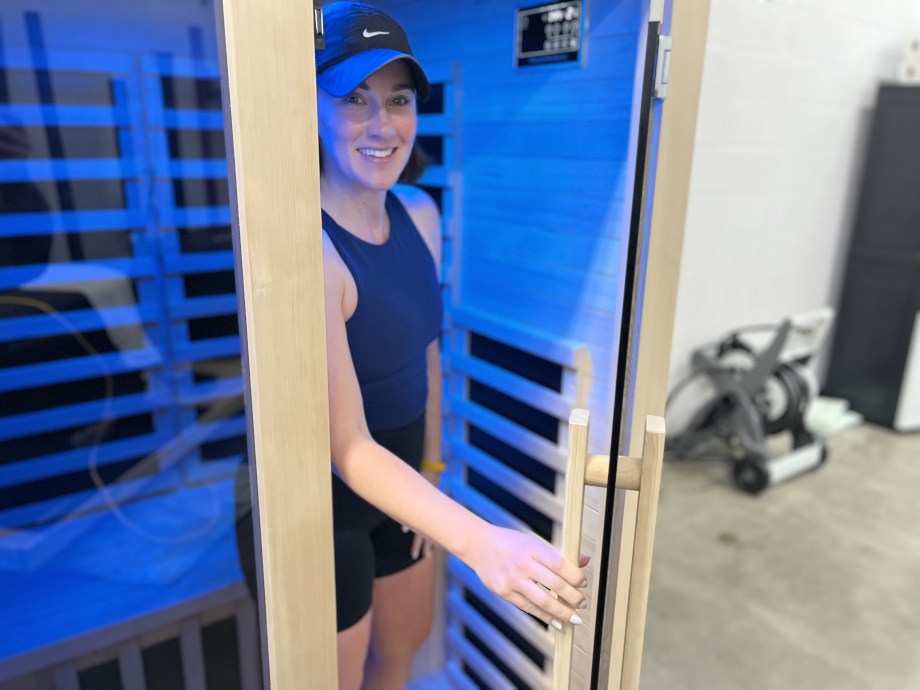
(624, 531)
(646, 515)
(544, 173)
(579, 421)
(688, 27)
(270, 105)
(597, 471)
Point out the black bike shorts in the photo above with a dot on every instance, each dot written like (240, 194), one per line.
(367, 543)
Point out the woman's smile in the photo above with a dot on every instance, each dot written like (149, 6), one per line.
(379, 154)
(367, 135)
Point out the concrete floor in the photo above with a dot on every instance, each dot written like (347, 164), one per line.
(814, 584)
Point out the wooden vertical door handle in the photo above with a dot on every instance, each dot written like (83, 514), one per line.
(642, 475)
(579, 421)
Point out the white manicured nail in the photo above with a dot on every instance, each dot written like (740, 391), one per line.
(575, 619)
(584, 583)
(583, 605)
(557, 624)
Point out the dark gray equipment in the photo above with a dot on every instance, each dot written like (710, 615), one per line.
(757, 393)
(874, 361)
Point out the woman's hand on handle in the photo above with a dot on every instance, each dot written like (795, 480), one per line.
(529, 573)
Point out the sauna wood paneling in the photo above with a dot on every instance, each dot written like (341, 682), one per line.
(546, 184)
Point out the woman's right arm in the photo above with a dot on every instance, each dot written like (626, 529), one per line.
(512, 564)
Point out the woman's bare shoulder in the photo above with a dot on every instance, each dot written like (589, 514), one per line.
(339, 283)
(424, 213)
(331, 258)
(415, 198)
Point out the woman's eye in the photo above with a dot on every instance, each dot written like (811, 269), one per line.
(353, 98)
(401, 100)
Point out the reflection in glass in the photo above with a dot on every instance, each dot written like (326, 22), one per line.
(121, 409)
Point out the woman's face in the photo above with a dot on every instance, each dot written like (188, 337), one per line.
(367, 135)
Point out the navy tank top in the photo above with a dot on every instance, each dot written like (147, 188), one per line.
(398, 315)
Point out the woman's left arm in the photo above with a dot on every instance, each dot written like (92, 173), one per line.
(431, 454)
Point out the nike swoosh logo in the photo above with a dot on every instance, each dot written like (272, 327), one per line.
(371, 34)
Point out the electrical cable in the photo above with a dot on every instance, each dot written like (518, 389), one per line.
(103, 427)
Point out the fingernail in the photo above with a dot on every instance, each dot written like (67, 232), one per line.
(575, 619)
(557, 624)
(583, 605)
(584, 583)
(405, 530)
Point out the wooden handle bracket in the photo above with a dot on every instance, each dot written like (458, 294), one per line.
(629, 471)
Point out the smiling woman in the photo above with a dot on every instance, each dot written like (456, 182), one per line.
(383, 316)
(150, 168)
(381, 249)
(368, 134)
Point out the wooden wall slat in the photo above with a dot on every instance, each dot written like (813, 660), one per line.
(514, 483)
(568, 177)
(483, 667)
(484, 507)
(510, 655)
(461, 411)
(518, 387)
(65, 678)
(523, 624)
(131, 666)
(458, 678)
(193, 674)
(592, 139)
(533, 341)
(247, 640)
(544, 218)
(535, 446)
(545, 282)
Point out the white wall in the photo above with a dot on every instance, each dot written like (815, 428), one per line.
(788, 88)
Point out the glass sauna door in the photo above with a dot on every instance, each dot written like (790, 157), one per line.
(123, 429)
(559, 286)
(127, 384)
(559, 280)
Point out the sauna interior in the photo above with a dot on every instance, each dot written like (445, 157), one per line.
(122, 412)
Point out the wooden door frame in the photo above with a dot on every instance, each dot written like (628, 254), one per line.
(649, 363)
(269, 89)
(269, 83)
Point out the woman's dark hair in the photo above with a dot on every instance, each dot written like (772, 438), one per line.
(412, 173)
(415, 166)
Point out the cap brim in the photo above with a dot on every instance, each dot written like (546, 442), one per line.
(343, 78)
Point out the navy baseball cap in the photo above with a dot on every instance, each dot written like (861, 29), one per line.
(361, 39)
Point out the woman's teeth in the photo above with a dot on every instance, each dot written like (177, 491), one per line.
(376, 153)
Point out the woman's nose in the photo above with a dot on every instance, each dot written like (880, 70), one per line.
(381, 124)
